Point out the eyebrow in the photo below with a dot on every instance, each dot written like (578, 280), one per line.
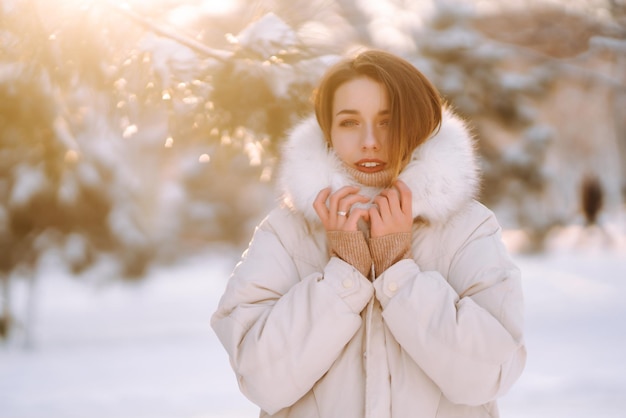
(356, 112)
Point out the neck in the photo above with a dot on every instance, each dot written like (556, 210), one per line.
(381, 178)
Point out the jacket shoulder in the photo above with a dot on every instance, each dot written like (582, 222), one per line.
(285, 221)
(476, 217)
(303, 239)
(473, 222)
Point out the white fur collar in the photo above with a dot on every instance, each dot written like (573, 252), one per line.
(442, 173)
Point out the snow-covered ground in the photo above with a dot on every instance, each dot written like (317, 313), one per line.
(146, 349)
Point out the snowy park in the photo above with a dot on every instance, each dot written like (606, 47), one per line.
(140, 143)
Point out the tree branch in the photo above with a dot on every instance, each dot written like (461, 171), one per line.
(199, 47)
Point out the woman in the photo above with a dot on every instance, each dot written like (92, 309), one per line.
(379, 287)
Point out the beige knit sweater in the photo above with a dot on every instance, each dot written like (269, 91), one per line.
(371, 256)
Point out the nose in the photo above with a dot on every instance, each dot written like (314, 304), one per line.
(370, 139)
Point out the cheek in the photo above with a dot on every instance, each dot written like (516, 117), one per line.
(383, 139)
(341, 143)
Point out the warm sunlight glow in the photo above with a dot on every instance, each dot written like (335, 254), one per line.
(186, 13)
(130, 131)
(254, 151)
(179, 13)
(71, 156)
(219, 7)
(266, 174)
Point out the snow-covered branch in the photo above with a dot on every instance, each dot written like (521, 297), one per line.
(199, 47)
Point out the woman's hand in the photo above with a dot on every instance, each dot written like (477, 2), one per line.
(393, 211)
(339, 214)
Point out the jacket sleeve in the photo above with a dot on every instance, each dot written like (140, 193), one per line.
(283, 332)
(464, 331)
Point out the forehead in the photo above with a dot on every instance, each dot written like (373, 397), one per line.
(363, 95)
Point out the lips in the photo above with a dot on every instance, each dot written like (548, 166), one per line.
(370, 166)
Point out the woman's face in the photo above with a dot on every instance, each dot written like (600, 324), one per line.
(360, 124)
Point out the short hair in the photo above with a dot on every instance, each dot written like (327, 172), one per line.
(415, 104)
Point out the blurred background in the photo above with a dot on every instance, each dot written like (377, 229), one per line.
(138, 145)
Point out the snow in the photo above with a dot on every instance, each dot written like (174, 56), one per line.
(575, 337)
(267, 36)
(120, 349)
(169, 58)
(29, 182)
(145, 349)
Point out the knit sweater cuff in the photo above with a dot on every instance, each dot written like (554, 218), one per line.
(389, 249)
(351, 247)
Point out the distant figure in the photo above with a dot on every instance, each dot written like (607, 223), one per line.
(4, 327)
(591, 195)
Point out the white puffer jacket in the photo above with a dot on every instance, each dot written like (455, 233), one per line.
(439, 335)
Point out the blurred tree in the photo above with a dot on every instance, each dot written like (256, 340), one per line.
(58, 190)
(122, 139)
(472, 75)
(55, 101)
(232, 107)
(507, 72)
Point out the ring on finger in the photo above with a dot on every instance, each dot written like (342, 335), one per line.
(342, 213)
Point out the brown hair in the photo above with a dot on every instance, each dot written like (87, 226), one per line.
(415, 104)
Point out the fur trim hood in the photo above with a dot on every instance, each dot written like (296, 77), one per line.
(442, 173)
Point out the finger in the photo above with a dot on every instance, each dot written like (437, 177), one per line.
(344, 219)
(376, 221)
(338, 195)
(319, 204)
(347, 202)
(406, 197)
(353, 219)
(383, 206)
(393, 197)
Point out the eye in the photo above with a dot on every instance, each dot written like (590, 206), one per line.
(348, 123)
(384, 123)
